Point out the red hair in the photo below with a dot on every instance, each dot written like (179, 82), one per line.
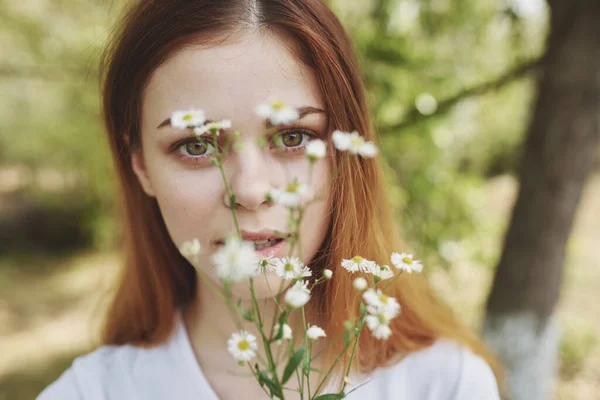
(156, 279)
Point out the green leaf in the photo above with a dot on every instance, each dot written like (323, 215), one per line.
(330, 396)
(247, 315)
(306, 365)
(282, 320)
(292, 365)
(264, 379)
(363, 309)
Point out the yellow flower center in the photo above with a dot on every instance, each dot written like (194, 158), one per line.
(384, 298)
(188, 117)
(277, 105)
(382, 319)
(243, 345)
(357, 259)
(288, 267)
(407, 260)
(357, 141)
(291, 188)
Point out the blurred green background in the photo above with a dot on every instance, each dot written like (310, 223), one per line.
(451, 98)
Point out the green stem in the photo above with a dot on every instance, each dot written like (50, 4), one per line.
(300, 387)
(266, 344)
(210, 284)
(308, 370)
(227, 188)
(275, 316)
(307, 346)
(257, 378)
(392, 281)
(352, 356)
(337, 359)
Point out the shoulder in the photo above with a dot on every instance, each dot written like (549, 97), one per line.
(110, 370)
(445, 370)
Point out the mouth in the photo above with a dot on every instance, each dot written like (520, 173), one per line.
(260, 240)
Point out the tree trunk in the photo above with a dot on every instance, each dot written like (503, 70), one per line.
(558, 157)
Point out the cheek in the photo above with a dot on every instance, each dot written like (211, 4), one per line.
(316, 217)
(187, 201)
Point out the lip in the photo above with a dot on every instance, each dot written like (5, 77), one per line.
(265, 234)
(277, 250)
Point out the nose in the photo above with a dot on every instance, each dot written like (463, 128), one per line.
(249, 177)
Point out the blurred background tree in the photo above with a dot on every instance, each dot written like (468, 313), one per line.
(451, 86)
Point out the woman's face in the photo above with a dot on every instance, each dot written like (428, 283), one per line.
(228, 82)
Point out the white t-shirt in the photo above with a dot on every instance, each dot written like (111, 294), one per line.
(443, 371)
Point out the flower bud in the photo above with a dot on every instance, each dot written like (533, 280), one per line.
(327, 274)
(360, 284)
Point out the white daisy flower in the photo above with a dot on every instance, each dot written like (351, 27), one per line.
(277, 112)
(315, 150)
(314, 332)
(368, 150)
(327, 274)
(379, 325)
(292, 195)
(291, 268)
(298, 295)
(358, 263)
(207, 127)
(378, 303)
(187, 118)
(353, 143)
(341, 140)
(236, 260)
(286, 331)
(360, 284)
(266, 264)
(382, 273)
(406, 262)
(191, 250)
(242, 345)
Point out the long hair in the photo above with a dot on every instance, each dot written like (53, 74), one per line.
(156, 279)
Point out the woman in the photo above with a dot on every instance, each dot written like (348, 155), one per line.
(165, 331)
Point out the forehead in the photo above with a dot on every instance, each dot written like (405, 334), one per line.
(228, 81)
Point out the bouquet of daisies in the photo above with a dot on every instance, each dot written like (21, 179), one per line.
(238, 261)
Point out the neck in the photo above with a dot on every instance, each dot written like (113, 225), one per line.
(210, 323)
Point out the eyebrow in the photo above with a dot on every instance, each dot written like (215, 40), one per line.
(302, 112)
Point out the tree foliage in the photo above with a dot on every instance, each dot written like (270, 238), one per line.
(412, 52)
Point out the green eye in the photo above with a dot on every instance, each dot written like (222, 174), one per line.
(196, 148)
(292, 139)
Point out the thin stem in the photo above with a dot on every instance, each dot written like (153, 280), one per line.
(210, 284)
(300, 386)
(327, 346)
(352, 356)
(306, 345)
(227, 188)
(266, 344)
(392, 281)
(258, 379)
(337, 359)
(308, 369)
